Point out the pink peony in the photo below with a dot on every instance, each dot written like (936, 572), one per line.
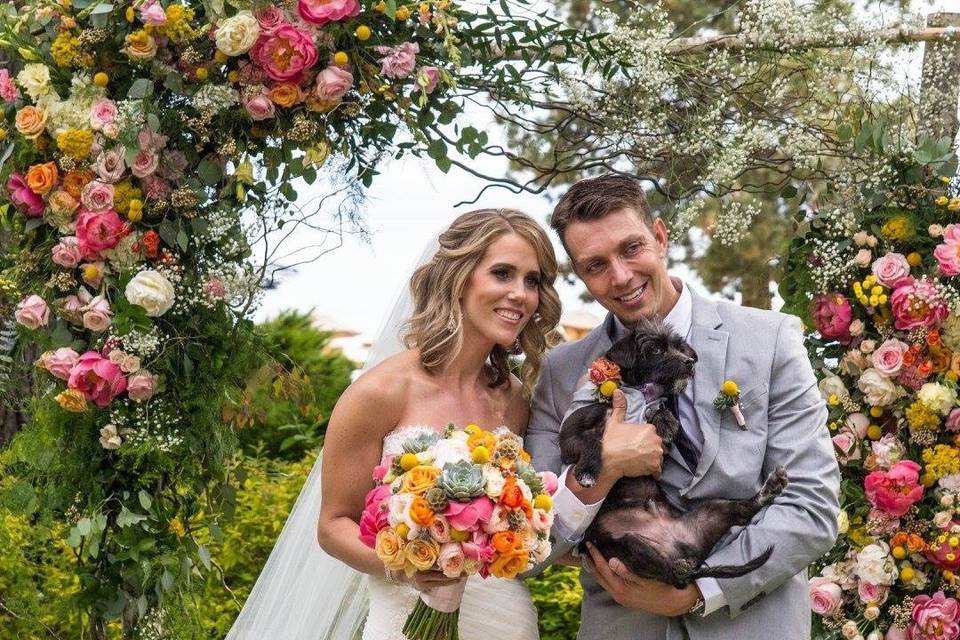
(98, 379)
(321, 12)
(152, 13)
(145, 163)
(8, 89)
(428, 78)
(478, 548)
(888, 359)
(259, 107)
(948, 253)
(141, 386)
(110, 165)
(398, 62)
(102, 113)
(285, 54)
(890, 268)
(59, 363)
(934, 618)
(270, 18)
(848, 449)
(332, 83)
(67, 253)
(894, 491)
(96, 314)
(468, 516)
(97, 196)
(451, 559)
(32, 312)
(917, 303)
(833, 314)
(99, 231)
(374, 516)
(826, 597)
(23, 198)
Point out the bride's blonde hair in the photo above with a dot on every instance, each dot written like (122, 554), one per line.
(436, 326)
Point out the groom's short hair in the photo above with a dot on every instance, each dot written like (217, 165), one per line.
(594, 198)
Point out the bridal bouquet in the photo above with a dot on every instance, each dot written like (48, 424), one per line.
(464, 502)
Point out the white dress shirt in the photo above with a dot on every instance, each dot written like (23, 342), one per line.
(572, 517)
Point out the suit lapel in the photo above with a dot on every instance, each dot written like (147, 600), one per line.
(711, 346)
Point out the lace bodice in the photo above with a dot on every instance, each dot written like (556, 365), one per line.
(393, 441)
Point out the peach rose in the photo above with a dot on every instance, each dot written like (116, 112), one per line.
(390, 550)
(62, 203)
(96, 314)
(32, 312)
(285, 94)
(31, 122)
(422, 554)
(419, 479)
(141, 386)
(42, 177)
(75, 181)
(72, 400)
(140, 46)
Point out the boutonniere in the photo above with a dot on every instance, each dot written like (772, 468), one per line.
(729, 398)
(605, 374)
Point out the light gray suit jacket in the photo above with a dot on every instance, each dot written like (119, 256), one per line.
(786, 425)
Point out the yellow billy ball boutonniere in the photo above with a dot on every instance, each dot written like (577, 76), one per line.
(605, 374)
(729, 398)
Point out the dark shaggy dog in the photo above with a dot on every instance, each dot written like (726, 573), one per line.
(636, 523)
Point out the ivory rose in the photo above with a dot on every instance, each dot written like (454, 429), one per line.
(875, 565)
(152, 291)
(237, 34)
(32, 312)
(877, 389)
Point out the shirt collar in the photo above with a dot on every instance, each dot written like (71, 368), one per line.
(680, 318)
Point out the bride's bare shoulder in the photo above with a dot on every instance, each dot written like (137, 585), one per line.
(388, 383)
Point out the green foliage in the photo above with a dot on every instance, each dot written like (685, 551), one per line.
(557, 594)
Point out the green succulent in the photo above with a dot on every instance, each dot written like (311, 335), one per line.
(530, 477)
(420, 443)
(461, 480)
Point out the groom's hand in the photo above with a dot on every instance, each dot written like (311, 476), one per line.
(630, 450)
(633, 592)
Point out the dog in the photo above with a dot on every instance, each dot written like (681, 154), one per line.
(636, 522)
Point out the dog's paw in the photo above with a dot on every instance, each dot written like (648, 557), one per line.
(585, 478)
(774, 486)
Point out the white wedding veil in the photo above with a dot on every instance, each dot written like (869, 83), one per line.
(303, 593)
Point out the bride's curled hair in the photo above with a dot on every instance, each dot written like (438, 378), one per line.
(435, 327)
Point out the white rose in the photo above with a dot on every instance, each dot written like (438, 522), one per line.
(237, 34)
(877, 389)
(942, 519)
(542, 551)
(937, 397)
(450, 450)
(150, 290)
(398, 509)
(843, 522)
(493, 482)
(109, 437)
(950, 482)
(832, 386)
(875, 565)
(35, 80)
(525, 490)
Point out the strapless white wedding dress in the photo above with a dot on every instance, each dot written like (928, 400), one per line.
(492, 608)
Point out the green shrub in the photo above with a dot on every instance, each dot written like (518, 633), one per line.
(557, 594)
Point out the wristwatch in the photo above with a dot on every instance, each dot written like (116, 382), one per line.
(698, 607)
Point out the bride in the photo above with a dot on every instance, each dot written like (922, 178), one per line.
(487, 291)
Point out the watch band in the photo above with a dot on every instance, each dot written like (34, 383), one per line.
(698, 607)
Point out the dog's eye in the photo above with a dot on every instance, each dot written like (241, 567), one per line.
(656, 350)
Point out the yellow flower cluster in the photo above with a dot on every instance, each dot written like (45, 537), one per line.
(896, 228)
(123, 194)
(8, 288)
(952, 204)
(941, 460)
(176, 528)
(65, 49)
(75, 143)
(921, 417)
(869, 293)
(178, 27)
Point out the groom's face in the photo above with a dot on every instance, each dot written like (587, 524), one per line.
(622, 262)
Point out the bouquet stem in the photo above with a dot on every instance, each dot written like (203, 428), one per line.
(436, 615)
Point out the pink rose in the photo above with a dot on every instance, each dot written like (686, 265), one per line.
(848, 449)
(23, 197)
(97, 196)
(99, 231)
(285, 54)
(150, 140)
(145, 163)
(428, 78)
(550, 481)
(451, 559)
(259, 107)
(374, 516)
(825, 596)
(439, 529)
(896, 490)
(141, 386)
(321, 12)
(541, 520)
(875, 593)
(270, 18)
(934, 618)
(32, 312)
(916, 303)
(895, 633)
(96, 314)
(332, 83)
(152, 13)
(888, 359)
(73, 304)
(862, 259)
(102, 112)
(110, 165)
(398, 62)
(155, 188)
(953, 421)
(58, 363)
(948, 253)
(67, 252)
(890, 268)
(833, 314)
(98, 379)
(8, 89)
(468, 516)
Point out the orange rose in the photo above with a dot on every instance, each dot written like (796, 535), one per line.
(506, 541)
(925, 368)
(940, 361)
(42, 177)
(31, 122)
(482, 439)
(511, 496)
(422, 554)
(602, 370)
(419, 479)
(75, 181)
(508, 565)
(420, 512)
(285, 94)
(389, 549)
(955, 364)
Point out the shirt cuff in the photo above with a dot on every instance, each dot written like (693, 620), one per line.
(713, 597)
(573, 516)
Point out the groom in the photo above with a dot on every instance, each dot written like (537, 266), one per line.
(618, 248)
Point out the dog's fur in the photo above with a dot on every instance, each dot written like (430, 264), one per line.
(636, 522)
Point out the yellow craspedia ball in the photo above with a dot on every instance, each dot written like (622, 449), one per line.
(91, 271)
(730, 388)
(459, 536)
(220, 57)
(233, 76)
(101, 79)
(874, 432)
(876, 412)
(608, 387)
(3, 134)
(472, 429)
(403, 13)
(948, 575)
(362, 33)
(130, 14)
(543, 501)
(380, 6)
(928, 480)
(914, 259)
(202, 74)
(899, 552)
(135, 213)
(403, 531)
(907, 574)
(408, 461)
(480, 455)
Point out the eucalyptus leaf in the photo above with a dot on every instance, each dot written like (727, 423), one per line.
(140, 89)
(145, 500)
(127, 518)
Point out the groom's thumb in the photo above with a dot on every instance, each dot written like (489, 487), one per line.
(619, 412)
